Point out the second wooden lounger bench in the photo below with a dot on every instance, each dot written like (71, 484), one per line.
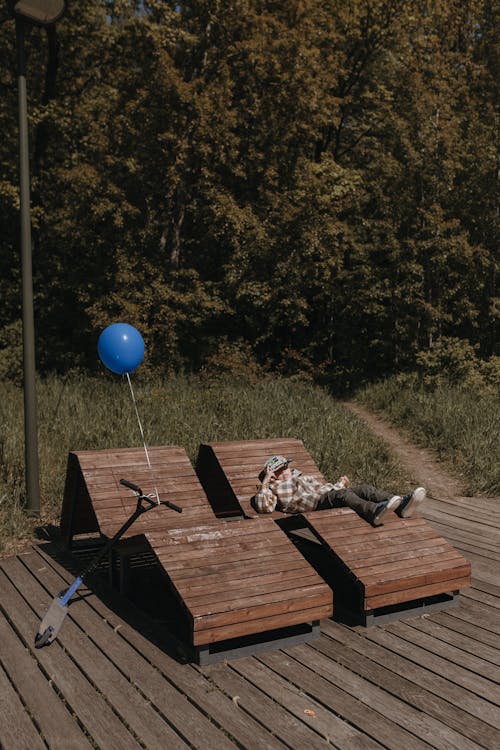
(403, 567)
(377, 573)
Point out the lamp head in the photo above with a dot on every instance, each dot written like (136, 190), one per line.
(38, 12)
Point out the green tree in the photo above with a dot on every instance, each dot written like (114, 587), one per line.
(317, 182)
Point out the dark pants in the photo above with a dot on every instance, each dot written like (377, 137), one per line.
(362, 498)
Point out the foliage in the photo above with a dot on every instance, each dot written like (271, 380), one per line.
(450, 361)
(490, 372)
(316, 182)
(453, 361)
(232, 359)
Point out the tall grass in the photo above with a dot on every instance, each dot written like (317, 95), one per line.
(462, 424)
(83, 413)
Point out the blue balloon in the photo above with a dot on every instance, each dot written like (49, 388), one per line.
(121, 348)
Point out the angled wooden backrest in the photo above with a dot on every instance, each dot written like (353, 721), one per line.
(95, 501)
(229, 471)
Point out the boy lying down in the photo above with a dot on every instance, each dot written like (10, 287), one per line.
(291, 491)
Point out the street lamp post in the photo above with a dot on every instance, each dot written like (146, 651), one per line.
(39, 13)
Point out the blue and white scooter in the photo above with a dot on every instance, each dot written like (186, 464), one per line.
(54, 618)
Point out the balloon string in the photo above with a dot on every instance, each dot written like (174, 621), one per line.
(142, 435)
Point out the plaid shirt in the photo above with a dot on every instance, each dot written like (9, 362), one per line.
(298, 494)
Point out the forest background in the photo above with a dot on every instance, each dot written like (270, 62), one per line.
(306, 187)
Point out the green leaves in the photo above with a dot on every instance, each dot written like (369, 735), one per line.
(315, 181)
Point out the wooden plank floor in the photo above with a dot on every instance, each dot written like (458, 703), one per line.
(114, 681)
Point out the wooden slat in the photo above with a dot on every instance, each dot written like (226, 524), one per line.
(263, 444)
(419, 592)
(18, 731)
(226, 609)
(354, 528)
(221, 532)
(256, 587)
(427, 574)
(225, 573)
(127, 456)
(262, 549)
(414, 561)
(285, 611)
(261, 625)
(232, 569)
(215, 585)
(398, 552)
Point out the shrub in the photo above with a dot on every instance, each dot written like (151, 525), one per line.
(234, 358)
(11, 353)
(450, 361)
(490, 371)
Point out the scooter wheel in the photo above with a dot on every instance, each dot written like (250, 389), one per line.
(41, 639)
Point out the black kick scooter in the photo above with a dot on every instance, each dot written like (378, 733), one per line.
(54, 618)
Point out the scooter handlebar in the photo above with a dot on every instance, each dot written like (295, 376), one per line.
(137, 489)
(172, 505)
(131, 486)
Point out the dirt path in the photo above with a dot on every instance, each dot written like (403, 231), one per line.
(421, 463)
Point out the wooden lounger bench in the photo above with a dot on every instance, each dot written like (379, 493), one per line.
(237, 580)
(377, 573)
(241, 590)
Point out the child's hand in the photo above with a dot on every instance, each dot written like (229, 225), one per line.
(269, 476)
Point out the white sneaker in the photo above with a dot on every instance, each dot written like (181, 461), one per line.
(410, 502)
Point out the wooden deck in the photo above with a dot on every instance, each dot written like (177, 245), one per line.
(115, 681)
